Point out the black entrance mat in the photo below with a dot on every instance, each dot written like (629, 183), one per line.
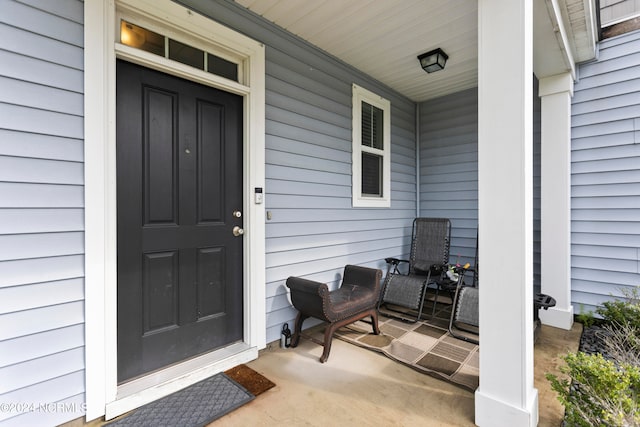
(197, 405)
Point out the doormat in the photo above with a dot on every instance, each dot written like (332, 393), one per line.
(425, 345)
(194, 406)
(255, 383)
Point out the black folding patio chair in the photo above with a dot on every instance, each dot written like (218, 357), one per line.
(429, 254)
(465, 312)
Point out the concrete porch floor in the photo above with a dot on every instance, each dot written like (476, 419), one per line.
(360, 387)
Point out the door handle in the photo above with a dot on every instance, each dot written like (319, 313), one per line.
(237, 231)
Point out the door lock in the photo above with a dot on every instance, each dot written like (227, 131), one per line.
(237, 214)
(237, 231)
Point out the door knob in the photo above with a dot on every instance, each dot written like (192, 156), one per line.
(237, 231)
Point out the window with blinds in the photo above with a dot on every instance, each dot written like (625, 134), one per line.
(372, 130)
(371, 175)
(372, 126)
(371, 149)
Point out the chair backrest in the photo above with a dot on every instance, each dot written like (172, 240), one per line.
(466, 310)
(430, 244)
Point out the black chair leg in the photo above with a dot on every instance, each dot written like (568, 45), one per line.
(374, 322)
(435, 301)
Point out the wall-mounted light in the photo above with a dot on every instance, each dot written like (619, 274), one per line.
(433, 60)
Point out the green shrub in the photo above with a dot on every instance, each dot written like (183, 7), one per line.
(599, 393)
(623, 312)
(602, 392)
(586, 318)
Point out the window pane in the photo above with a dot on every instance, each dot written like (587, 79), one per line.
(221, 67)
(371, 175)
(377, 125)
(366, 124)
(372, 126)
(141, 38)
(186, 54)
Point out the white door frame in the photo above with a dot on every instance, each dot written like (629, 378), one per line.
(103, 396)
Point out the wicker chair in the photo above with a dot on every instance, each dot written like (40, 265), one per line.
(356, 299)
(429, 255)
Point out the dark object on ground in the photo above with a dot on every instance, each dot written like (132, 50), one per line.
(194, 406)
(254, 382)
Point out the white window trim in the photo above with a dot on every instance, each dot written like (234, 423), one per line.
(358, 200)
(102, 392)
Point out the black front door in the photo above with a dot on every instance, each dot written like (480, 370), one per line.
(179, 195)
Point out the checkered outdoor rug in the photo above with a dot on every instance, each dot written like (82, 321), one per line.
(425, 346)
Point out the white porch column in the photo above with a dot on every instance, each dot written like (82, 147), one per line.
(556, 92)
(506, 396)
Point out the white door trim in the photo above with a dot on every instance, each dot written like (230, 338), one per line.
(102, 392)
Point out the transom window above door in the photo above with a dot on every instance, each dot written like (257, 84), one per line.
(150, 41)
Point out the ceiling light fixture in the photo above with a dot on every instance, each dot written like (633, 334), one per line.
(433, 60)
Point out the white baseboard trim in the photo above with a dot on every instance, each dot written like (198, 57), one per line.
(491, 412)
(557, 317)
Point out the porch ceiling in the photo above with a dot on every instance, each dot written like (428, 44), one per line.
(384, 38)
